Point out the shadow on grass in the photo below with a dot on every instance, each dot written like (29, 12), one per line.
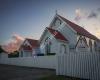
(55, 77)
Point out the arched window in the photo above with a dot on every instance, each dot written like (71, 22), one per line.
(90, 45)
(85, 41)
(21, 53)
(95, 46)
(47, 45)
(63, 49)
(46, 48)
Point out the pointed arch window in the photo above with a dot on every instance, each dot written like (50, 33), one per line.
(63, 48)
(47, 45)
(90, 45)
(95, 46)
(21, 54)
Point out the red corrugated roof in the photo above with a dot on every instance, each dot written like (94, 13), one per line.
(57, 34)
(78, 29)
(32, 42)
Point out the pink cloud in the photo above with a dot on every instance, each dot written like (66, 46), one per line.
(78, 14)
(14, 43)
(97, 33)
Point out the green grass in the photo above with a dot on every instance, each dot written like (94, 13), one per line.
(54, 77)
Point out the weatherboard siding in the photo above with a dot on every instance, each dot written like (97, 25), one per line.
(69, 34)
(42, 44)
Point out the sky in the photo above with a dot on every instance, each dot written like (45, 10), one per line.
(28, 18)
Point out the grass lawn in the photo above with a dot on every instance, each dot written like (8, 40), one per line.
(55, 77)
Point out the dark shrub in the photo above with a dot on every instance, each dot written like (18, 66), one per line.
(51, 53)
(13, 55)
(40, 54)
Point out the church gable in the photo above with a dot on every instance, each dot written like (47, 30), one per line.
(26, 43)
(57, 35)
(51, 33)
(56, 23)
(27, 46)
(44, 36)
(82, 44)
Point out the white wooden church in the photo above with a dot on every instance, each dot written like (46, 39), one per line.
(63, 36)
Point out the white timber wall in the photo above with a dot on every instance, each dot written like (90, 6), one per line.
(42, 44)
(55, 44)
(37, 61)
(82, 65)
(68, 33)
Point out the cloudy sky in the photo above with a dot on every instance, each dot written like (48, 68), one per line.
(28, 18)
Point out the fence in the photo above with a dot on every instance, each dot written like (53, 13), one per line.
(37, 61)
(82, 65)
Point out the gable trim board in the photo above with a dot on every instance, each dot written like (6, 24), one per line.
(55, 16)
(27, 43)
(43, 34)
(83, 39)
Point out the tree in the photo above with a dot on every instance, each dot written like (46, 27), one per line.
(1, 50)
(13, 54)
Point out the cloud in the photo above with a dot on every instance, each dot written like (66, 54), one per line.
(17, 37)
(89, 19)
(97, 33)
(98, 9)
(92, 15)
(14, 43)
(78, 14)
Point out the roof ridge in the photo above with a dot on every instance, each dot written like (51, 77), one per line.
(70, 21)
(80, 30)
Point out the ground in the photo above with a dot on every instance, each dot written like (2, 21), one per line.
(8, 72)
